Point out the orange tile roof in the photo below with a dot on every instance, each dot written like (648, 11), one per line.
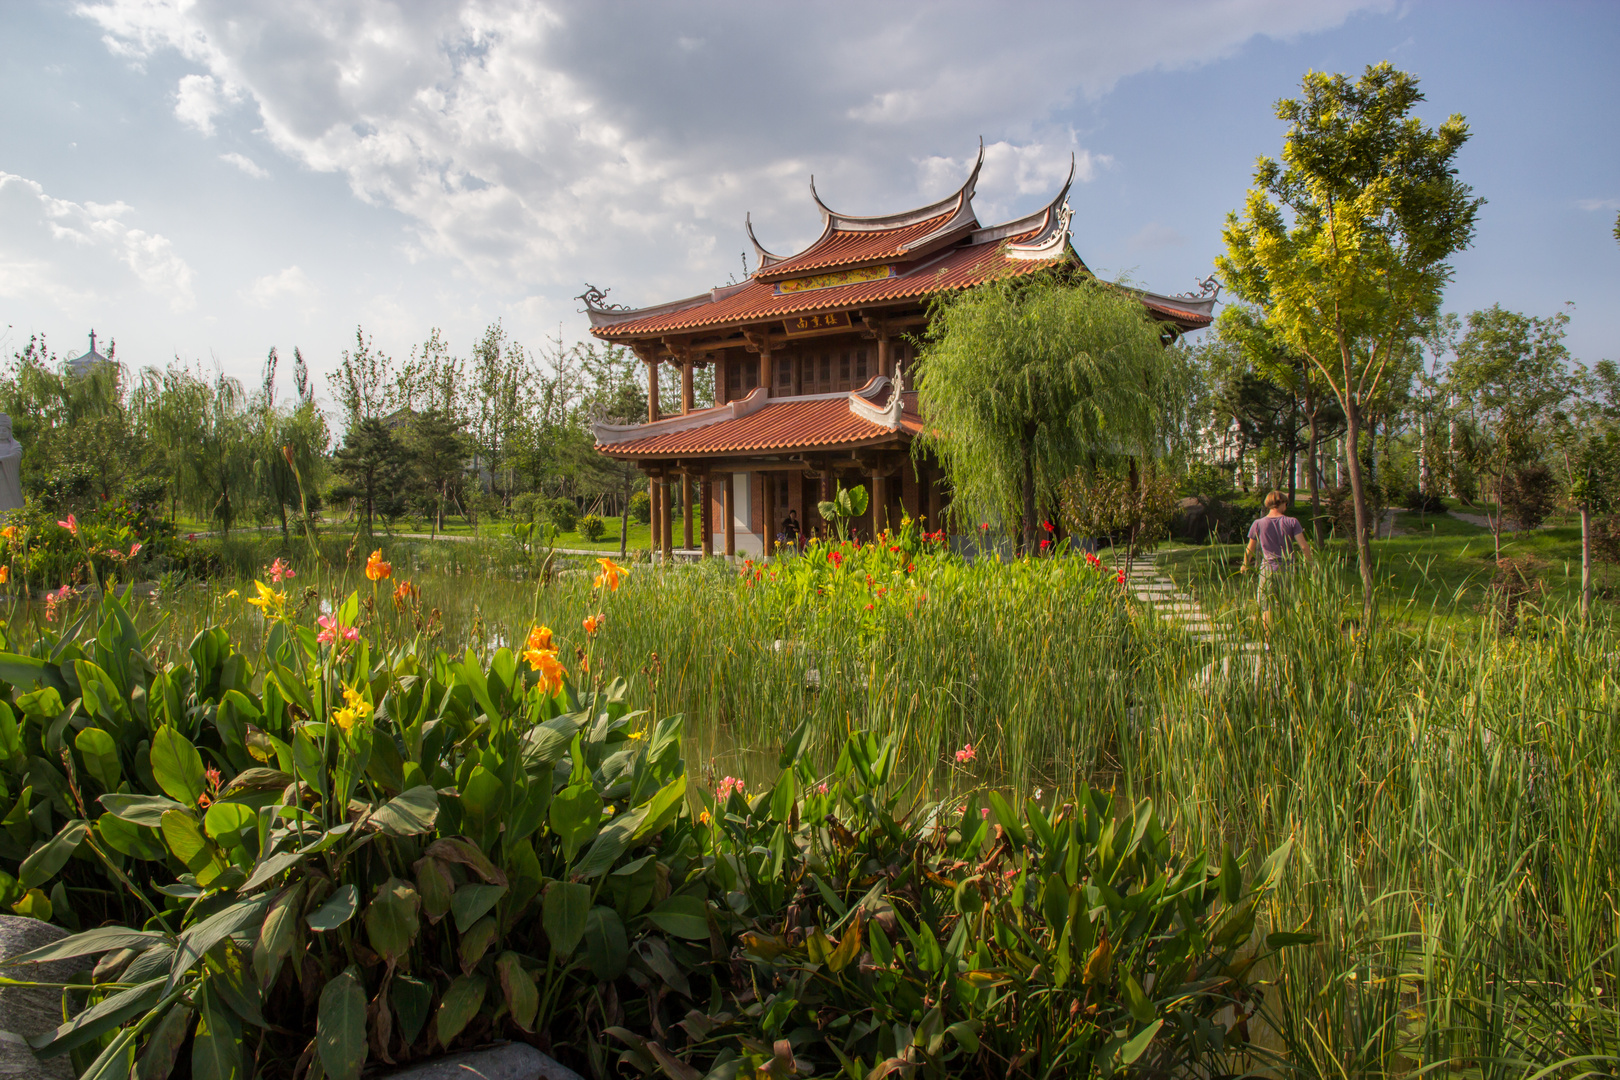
(782, 424)
(839, 247)
(957, 268)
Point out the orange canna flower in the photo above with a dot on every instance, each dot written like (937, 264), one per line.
(593, 623)
(376, 569)
(612, 573)
(539, 641)
(5, 575)
(11, 533)
(552, 673)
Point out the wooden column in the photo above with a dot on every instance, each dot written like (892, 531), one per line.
(686, 504)
(666, 530)
(652, 391)
(653, 487)
(706, 519)
(767, 376)
(767, 506)
(798, 373)
(686, 386)
(880, 503)
(722, 391)
(730, 513)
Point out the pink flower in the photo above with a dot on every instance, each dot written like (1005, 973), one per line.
(191, 536)
(55, 598)
(279, 571)
(984, 812)
(135, 549)
(727, 786)
(821, 788)
(966, 754)
(331, 630)
(71, 524)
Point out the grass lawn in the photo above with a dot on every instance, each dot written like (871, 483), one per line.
(1442, 566)
(640, 534)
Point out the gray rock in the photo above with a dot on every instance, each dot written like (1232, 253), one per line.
(510, 1061)
(27, 1011)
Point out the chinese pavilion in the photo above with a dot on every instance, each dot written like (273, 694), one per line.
(812, 366)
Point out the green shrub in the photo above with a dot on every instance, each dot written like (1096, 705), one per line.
(591, 527)
(1529, 494)
(563, 513)
(641, 508)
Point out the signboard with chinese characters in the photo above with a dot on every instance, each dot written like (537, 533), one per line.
(837, 277)
(810, 324)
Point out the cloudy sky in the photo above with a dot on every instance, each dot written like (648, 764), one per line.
(208, 178)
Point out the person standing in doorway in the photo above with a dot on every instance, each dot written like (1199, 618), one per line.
(791, 532)
(1274, 536)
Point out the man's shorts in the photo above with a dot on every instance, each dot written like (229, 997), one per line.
(1273, 585)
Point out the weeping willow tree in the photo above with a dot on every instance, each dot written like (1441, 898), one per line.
(1026, 382)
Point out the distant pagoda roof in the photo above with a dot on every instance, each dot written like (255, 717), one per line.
(81, 366)
(859, 262)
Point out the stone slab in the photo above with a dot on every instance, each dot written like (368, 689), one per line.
(26, 1011)
(511, 1061)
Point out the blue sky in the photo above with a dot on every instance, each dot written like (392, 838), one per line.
(205, 179)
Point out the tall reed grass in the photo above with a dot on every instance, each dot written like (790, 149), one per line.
(1452, 793)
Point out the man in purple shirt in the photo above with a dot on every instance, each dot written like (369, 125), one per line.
(1275, 535)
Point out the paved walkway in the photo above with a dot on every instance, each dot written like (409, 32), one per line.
(1151, 586)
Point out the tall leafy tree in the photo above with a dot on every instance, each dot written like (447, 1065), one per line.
(372, 460)
(1027, 382)
(1588, 440)
(1513, 371)
(1347, 239)
(437, 446)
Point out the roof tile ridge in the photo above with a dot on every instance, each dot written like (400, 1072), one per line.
(610, 434)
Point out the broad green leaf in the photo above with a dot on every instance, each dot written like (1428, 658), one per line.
(1231, 878)
(89, 943)
(436, 887)
(277, 935)
(391, 921)
(459, 850)
(1141, 1008)
(163, 1048)
(610, 843)
(269, 868)
(965, 1032)
(411, 999)
(177, 766)
(45, 861)
(224, 821)
(408, 814)
(1281, 939)
(576, 811)
(97, 1020)
(783, 796)
(136, 841)
(682, 916)
(482, 797)
(662, 808)
(216, 1052)
(567, 903)
(1007, 818)
(145, 810)
(791, 749)
(196, 940)
(340, 1027)
(100, 755)
(460, 1005)
(522, 998)
(185, 838)
(476, 942)
(472, 902)
(336, 911)
(607, 949)
(1139, 1042)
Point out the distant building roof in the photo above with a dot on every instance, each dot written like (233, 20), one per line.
(81, 366)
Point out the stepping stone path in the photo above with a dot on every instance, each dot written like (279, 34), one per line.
(1151, 586)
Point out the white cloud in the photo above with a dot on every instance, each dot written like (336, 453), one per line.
(291, 283)
(197, 100)
(540, 143)
(65, 253)
(1598, 204)
(246, 164)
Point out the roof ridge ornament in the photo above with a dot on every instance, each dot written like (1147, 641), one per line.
(766, 258)
(961, 198)
(1208, 289)
(596, 300)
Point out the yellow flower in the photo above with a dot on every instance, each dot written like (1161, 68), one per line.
(268, 601)
(232, 595)
(358, 709)
(704, 818)
(638, 734)
(376, 569)
(611, 574)
(539, 640)
(551, 671)
(609, 810)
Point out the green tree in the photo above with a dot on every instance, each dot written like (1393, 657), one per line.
(371, 459)
(1024, 383)
(1587, 437)
(438, 448)
(1346, 240)
(1512, 370)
